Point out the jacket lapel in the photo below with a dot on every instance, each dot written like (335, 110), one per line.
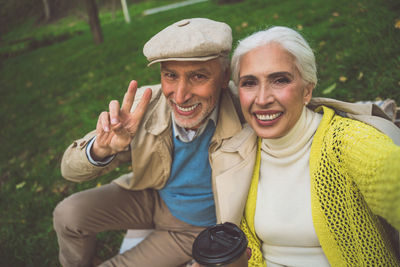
(236, 160)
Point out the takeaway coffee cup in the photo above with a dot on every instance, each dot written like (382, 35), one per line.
(221, 245)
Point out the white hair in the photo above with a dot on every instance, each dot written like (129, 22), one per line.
(290, 40)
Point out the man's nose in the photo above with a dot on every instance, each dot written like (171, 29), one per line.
(182, 93)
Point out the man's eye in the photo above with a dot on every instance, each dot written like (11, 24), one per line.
(199, 77)
(169, 75)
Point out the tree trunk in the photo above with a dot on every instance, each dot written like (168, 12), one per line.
(46, 10)
(94, 21)
(126, 11)
(113, 8)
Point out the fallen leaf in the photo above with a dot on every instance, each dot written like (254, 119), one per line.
(20, 185)
(322, 43)
(98, 184)
(244, 24)
(299, 27)
(335, 14)
(275, 16)
(360, 75)
(397, 24)
(60, 188)
(342, 79)
(39, 189)
(329, 89)
(12, 160)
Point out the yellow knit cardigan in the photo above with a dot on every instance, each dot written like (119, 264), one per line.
(355, 176)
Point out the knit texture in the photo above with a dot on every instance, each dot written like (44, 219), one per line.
(355, 176)
(247, 223)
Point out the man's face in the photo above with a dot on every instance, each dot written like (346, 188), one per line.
(193, 89)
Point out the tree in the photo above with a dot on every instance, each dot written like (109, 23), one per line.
(46, 10)
(126, 11)
(94, 21)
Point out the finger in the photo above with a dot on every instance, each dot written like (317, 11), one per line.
(119, 129)
(103, 128)
(143, 104)
(103, 123)
(104, 139)
(129, 97)
(114, 112)
(248, 253)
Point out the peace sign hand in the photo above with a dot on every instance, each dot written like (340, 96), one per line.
(116, 128)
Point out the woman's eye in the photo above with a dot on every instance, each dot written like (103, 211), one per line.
(248, 83)
(282, 80)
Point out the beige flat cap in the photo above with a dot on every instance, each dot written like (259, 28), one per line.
(195, 39)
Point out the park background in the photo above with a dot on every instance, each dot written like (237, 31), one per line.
(55, 79)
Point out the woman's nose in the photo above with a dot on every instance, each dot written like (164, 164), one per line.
(264, 96)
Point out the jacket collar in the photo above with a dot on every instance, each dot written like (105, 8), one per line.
(242, 142)
(228, 120)
(159, 118)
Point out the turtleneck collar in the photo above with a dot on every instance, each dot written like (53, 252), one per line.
(296, 138)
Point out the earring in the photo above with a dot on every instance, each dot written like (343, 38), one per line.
(305, 103)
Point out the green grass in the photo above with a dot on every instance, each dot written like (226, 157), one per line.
(53, 95)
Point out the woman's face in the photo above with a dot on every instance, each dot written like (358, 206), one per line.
(272, 92)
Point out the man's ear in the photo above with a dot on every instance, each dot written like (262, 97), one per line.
(226, 78)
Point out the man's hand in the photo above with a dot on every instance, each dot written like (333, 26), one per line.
(116, 128)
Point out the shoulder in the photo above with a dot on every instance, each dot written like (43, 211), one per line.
(346, 134)
(243, 142)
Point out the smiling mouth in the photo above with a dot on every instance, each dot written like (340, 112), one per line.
(268, 117)
(186, 109)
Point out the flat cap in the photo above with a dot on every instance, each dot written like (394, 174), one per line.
(195, 39)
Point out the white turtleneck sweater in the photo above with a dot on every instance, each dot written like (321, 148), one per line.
(283, 213)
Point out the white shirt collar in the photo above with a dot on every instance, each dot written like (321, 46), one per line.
(189, 135)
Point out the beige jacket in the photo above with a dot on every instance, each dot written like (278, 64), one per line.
(151, 150)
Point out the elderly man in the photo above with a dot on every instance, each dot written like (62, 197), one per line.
(169, 133)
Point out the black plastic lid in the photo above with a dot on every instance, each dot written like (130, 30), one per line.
(219, 245)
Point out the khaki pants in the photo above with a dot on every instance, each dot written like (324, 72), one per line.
(78, 218)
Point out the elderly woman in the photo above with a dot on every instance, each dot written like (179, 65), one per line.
(321, 182)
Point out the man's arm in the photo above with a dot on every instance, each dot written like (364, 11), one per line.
(114, 132)
(75, 165)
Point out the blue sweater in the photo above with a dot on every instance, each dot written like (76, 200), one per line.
(188, 192)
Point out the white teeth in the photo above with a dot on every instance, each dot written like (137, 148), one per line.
(268, 117)
(187, 109)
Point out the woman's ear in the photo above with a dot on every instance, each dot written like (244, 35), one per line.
(308, 89)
